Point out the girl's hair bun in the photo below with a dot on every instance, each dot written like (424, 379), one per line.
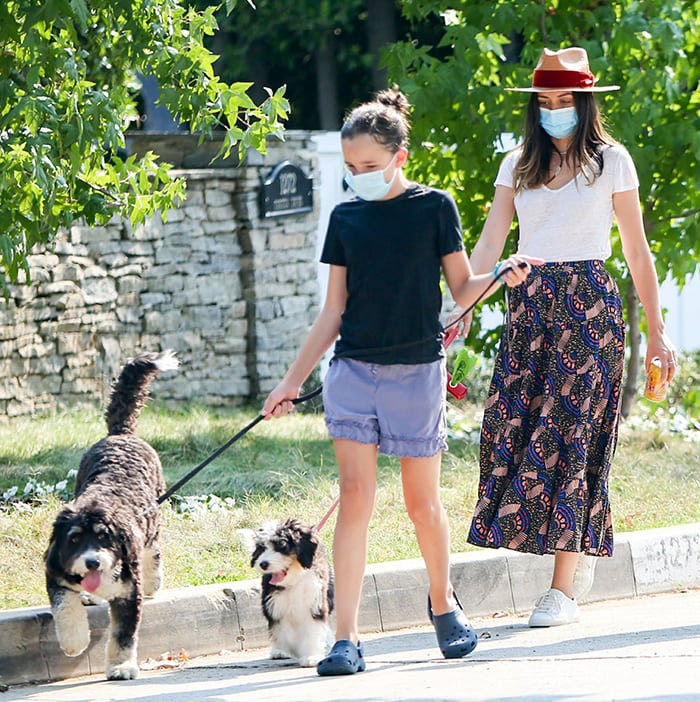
(385, 119)
(394, 98)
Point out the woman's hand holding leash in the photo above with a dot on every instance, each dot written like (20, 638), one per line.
(511, 272)
(515, 269)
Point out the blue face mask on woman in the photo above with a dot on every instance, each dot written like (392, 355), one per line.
(371, 186)
(559, 123)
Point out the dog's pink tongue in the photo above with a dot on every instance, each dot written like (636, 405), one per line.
(91, 581)
(277, 578)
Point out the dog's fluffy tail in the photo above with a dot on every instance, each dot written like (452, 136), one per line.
(130, 391)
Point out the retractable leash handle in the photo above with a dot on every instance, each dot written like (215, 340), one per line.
(458, 391)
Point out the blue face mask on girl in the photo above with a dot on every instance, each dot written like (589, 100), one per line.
(371, 186)
(559, 123)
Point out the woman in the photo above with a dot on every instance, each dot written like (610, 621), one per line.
(550, 423)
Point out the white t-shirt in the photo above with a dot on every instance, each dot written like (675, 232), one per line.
(571, 223)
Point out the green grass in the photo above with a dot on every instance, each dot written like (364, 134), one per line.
(286, 468)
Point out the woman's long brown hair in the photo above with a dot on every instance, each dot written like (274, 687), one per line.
(586, 150)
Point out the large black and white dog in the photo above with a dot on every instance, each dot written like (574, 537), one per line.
(105, 542)
(297, 590)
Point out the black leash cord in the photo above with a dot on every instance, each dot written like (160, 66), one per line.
(171, 491)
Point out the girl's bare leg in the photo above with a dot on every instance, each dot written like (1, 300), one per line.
(357, 471)
(421, 488)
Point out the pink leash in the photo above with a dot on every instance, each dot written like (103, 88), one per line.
(328, 514)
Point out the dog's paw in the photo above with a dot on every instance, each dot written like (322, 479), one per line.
(127, 670)
(71, 622)
(152, 571)
(74, 640)
(309, 661)
(150, 588)
(277, 654)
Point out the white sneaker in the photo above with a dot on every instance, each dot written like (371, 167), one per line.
(554, 608)
(583, 577)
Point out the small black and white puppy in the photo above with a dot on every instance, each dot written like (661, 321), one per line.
(105, 542)
(297, 590)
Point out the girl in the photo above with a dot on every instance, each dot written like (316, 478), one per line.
(385, 388)
(550, 424)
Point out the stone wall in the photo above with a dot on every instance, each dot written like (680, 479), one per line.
(232, 292)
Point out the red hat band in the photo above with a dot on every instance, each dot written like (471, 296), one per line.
(562, 79)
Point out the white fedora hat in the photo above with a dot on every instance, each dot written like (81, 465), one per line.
(564, 70)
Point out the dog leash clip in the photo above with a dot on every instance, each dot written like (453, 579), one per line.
(150, 508)
(459, 391)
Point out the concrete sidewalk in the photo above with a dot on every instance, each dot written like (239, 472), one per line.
(204, 620)
(642, 649)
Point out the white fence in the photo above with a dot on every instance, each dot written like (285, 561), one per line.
(680, 325)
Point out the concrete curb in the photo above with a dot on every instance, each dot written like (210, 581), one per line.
(208, 619)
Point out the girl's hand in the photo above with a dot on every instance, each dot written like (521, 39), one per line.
(464, 324)
(662, 347)
(516, 268)
(279, 401)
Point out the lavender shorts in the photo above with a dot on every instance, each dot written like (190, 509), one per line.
(400, 408)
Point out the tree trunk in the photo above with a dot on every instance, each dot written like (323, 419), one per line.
(634, 339)
(326, 81)
(381, 30)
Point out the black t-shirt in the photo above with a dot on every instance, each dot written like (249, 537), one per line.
(392, 250)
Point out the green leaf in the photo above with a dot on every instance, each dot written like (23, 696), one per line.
(67, 95)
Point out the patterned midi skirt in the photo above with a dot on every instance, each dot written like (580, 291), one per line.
(550, 424)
